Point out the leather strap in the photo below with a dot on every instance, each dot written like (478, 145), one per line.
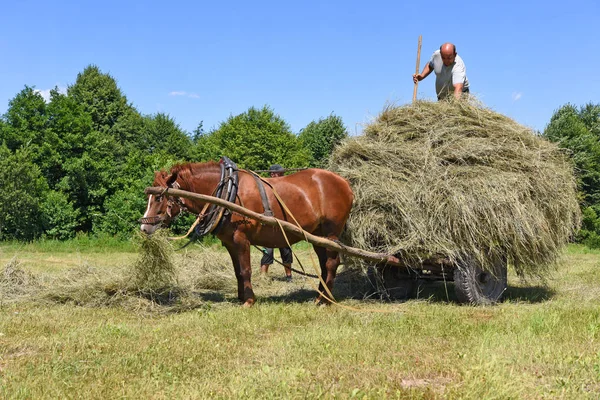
(263, 195)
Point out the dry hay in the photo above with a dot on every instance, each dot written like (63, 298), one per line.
(15, 282)
(148, 284)
(154, 272)
(159, 281)
(457, 180)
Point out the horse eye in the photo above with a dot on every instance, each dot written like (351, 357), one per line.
(158, 199)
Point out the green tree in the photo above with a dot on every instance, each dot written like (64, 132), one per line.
(117, 129)
(59, 216)
(101, 98)
(162, 133)
(94, 152)
(575, 129)
(28, 125)
(22, 195)
(255, 140)
(578, 130)
(70, 125)
(91, 177)
(321, 137)
(26, 118)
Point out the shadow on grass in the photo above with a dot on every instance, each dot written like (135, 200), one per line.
(436, 292)
(295, 296)
(443, 292)
(175, 299)
(533, 294)
(214, 297)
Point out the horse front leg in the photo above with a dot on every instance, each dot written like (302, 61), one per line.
(236, 268)
(240, 256)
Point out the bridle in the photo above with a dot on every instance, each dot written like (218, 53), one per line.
(171, 201)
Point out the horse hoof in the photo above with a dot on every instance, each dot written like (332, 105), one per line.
(322, 302)
(248, 303)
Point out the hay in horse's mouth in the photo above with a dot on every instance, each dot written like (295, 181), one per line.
(154, 268)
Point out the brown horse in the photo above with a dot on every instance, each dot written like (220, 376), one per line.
(318, 199)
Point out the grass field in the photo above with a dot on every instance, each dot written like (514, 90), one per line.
(68, 331)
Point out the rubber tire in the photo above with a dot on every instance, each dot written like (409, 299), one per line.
(474, 286)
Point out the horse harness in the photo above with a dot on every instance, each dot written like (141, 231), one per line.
(172, 200)
(212, 216)
(263, 194)
(229, 179)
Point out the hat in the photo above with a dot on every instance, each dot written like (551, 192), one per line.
(276, 168)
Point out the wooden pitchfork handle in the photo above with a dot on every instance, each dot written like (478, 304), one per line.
(417, 69)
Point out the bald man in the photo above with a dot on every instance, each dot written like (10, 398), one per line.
(450, 72)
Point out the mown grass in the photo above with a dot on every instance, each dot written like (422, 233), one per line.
(542, 342)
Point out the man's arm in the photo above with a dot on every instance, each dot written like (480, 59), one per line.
(459, 73)
(458, 88)
(426, 71)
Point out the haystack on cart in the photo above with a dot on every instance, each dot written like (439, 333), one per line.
(455, 191)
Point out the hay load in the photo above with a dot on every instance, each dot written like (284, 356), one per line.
(457, 180)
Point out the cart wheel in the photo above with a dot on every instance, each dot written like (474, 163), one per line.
(390, 284)
(478, 287)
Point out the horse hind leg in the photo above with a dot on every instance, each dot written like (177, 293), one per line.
(329, 261)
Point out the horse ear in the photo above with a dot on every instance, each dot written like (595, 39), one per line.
(172, 178)
(160, 177)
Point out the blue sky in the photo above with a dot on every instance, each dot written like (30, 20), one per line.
(204, 61)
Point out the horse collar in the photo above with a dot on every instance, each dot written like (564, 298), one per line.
(227, 190)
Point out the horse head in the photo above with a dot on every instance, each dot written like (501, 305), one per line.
(161, 209)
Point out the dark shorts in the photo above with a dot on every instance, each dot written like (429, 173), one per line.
(285, 252)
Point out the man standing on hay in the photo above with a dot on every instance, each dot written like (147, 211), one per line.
(285, 252)
(450, 73)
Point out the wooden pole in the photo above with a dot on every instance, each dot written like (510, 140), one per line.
(417, 69)
(288, 227)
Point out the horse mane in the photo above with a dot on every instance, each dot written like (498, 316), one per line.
(160, 178)
(195, 168)
(188, 170)
(184, 170)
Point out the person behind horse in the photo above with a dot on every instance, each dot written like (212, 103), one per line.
(277, 170)
(450, 73)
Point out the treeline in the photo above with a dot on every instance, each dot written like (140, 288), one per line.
(79, 163)
(577, 129)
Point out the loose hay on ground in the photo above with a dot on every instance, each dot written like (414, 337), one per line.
(456, 179)
(157, 281)
(15, 282)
